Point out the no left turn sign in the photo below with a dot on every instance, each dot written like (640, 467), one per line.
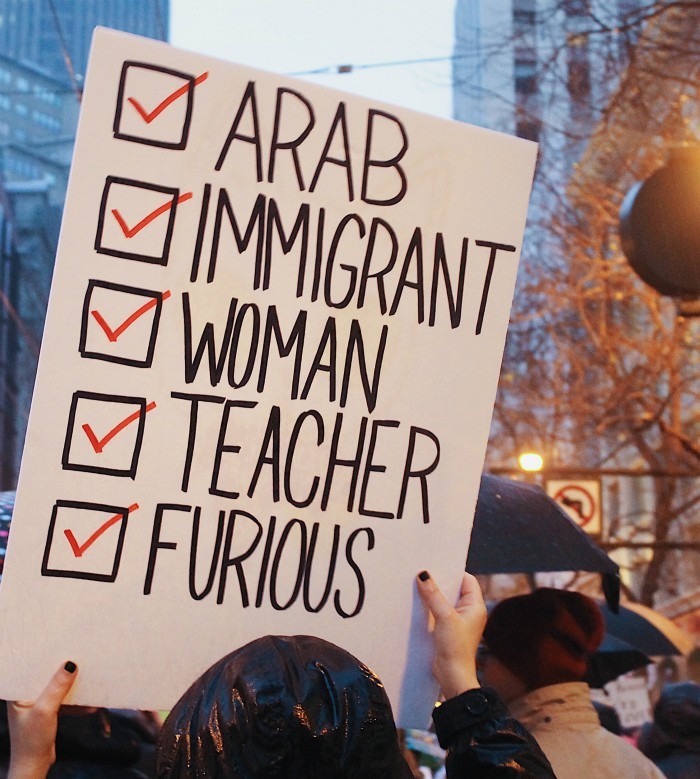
(581, 501)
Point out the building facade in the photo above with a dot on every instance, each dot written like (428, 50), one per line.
(44, 46)
(47, 33)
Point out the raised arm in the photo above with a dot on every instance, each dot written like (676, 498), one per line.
(481, 738)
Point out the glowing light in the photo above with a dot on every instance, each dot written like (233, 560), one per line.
(530, 461)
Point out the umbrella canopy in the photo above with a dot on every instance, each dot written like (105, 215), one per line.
(518, 528)
(646, 629)
(613, 658)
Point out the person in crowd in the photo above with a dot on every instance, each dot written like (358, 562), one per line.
(535, 653)
(672, 740)
(299, 707)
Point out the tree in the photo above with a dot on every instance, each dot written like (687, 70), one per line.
(600, 370)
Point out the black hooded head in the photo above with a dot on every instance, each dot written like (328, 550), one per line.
(288, 707)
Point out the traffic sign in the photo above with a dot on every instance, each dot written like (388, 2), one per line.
(581, 499)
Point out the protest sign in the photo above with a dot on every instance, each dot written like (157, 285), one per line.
(267, 376)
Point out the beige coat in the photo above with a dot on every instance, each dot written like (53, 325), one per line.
(562, 719)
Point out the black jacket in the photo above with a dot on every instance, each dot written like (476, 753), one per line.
(484, 742)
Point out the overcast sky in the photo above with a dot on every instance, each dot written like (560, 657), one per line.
(297, 36)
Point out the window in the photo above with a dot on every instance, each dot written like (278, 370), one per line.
(578, 7)
(524, 15)
(579, 72)
(525, 76)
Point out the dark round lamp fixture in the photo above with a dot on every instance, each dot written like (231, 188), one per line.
(660, 226)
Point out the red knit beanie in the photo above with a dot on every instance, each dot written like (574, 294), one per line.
(545, 637)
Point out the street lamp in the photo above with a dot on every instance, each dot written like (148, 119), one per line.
(659, 229)
(531, 462)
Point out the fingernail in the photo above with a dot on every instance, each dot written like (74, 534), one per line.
(70, 666)
(424, 576)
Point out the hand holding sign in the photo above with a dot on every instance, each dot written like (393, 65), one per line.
(456, 634)
(33, 726)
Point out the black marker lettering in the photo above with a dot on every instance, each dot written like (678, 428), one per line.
(367, 264)
(330, 264)
(276, 564)
(252, 347)
(358, 573)
(284, 349)
(419, 473)
(248, 98)
(371, 467)
(257, 217)
(194, 546)
(293, 144)
(157, 544)
(356, 343)
(301, 502)
(203, 213)
(207, 342)
(227, 561)
(191, 436)
(392, 162)
(415, 248)
(440, 265)
(328, 341)
(272, 434)
(331, 569)
(495, 247)
(300, 225)
(344, 162)
(222, 447)
(334, 461)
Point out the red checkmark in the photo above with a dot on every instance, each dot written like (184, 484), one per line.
(114, 334)
(98, 444)
(78, 549)
(148, 117)
(130, 232)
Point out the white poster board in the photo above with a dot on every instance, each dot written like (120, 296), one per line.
(630, 697)
(266, 382)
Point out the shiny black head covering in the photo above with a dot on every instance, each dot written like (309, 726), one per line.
(288, 707)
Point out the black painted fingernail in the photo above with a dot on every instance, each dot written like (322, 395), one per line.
(424, 576)
(70, 666)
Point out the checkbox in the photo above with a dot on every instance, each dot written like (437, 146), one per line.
(155, 105)
(120, 323)
(85, 540)
(137, 219)
(105, 433)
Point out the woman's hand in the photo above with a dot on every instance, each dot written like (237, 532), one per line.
(457, 633)
(33, 727)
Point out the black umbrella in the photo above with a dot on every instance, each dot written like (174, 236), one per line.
(646, 629)
(518, 528)
(613, 658)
